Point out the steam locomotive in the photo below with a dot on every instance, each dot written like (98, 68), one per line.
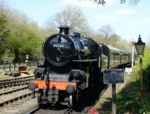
(73, 64)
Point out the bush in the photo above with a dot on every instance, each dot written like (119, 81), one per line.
(130, 101)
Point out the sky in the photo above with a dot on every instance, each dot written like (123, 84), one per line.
(127, 20)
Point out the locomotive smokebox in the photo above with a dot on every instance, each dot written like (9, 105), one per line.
(64, 29)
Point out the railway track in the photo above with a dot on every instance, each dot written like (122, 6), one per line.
(15, 96)
(33, 110)
(82, 108)
(19, 107)
(18, 78)
(12, 89)
(58, 109)
(91, 100)
(15, 82)
(14, 93)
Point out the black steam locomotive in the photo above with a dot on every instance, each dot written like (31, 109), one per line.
(72, 65)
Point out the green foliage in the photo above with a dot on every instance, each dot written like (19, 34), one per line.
(21, 36)
(129, 98)
(31, 71)
(24, 41)
(18, 35)
(146, 69)
(130, 101)
(4, 31)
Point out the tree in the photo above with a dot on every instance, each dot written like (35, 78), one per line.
(71, 16)
(18, 34)
(4, 29)
(105, 33)
(23, 41)
(51, 27)
(133, 2)
(25, 37)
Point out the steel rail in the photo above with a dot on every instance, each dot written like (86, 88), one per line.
(13, 90)
(6, 102)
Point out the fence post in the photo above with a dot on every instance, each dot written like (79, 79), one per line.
(14, 66)
(4, 66)
(27, 63)
(9, 66)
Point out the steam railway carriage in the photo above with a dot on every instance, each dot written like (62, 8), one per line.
(118, 57)
(72, 65)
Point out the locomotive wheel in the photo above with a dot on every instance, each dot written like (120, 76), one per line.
(39, 98)
(70, 100)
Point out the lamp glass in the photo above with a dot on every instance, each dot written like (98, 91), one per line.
(140, 48)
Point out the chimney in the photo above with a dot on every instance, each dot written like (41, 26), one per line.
(64, 29)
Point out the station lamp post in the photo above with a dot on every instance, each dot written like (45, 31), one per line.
(140, 46)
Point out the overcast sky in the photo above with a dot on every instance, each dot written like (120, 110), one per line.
(128, 21)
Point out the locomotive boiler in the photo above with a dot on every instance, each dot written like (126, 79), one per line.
(72, 66)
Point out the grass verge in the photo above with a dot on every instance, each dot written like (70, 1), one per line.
(129, 97)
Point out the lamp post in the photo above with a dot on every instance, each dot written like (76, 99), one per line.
(140, 50)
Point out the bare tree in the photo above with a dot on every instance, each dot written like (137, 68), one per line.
(107, 35)
(51, 27)
(105, 31)
(71, 16)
